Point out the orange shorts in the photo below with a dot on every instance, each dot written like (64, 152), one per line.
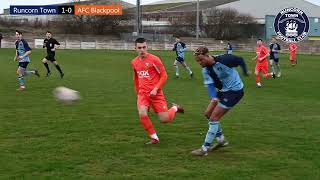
(158, 102)
(292, 57)
(262, 67)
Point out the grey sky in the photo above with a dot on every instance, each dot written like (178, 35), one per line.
(6, 3)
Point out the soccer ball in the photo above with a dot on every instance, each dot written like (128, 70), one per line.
(66, 95)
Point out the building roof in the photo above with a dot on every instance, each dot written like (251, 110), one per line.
(182, 5)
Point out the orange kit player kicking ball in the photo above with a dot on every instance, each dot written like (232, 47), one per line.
(293, 50)
(149, 77)
(262, 63)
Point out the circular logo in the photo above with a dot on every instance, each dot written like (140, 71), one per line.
(291, 25)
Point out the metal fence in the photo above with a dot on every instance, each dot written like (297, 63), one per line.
(308, 47)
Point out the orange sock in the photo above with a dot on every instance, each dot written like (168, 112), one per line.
(257, 78)
(147, 125)
(172, 113)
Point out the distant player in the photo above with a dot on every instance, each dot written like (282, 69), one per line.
(51, 44)
(229, 48)
(274, 56)
(149, 77)
(293, 50)
(262, 62)
(23, 52)
(180, 48)
(221, 69)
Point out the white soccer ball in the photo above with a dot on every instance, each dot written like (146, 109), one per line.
(66, 95)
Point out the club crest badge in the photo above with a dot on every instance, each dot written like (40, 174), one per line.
(291, 25)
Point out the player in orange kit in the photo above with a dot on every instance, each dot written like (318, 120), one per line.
(149, 77)
(262, 62)
(293, 50)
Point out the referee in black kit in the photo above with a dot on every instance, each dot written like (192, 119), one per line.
(51, 44)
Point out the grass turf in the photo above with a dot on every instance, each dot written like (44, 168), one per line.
(273, 132)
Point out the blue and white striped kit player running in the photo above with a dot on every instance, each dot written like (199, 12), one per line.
(180, 49)
(223, 72)
(22, 47)
(274, 54)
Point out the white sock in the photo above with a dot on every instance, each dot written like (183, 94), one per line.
(177, 70)
(204, 148)
(154, 136)
(175, 108)
(188, 68)
(220, 139)
(259, 84)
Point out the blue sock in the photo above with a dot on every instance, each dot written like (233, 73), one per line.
(219, 132)
(29, 73)
(211, 134)
(21, 80)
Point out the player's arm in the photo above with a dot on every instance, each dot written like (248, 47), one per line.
(135, 80)
(264, 57)
(44, 44)
(184, 47)
(174, 47)
(256, 57)
(213, 100)
(56, 45)
(163, 76)
(236, 61)
(16, 56)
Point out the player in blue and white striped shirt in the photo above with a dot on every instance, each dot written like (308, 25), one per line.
(221, 70)
(23, 52)
(180, 48)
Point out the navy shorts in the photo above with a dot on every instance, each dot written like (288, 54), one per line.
(23, 64)
(180, 59)
(229, 99)
(276, 60)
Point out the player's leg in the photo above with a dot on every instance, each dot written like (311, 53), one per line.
(143, 104)
(30, 73)
(278, 67)
(175, 64)
(46, 65)
(55, 62)
(219, 136)
(292, 59)
(265, 73)
(184, 64)
(159, 106)
(228, 100)
(21, 72)
(272, 64)
(257, 75)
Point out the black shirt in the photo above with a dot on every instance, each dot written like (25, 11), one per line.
(49, 44)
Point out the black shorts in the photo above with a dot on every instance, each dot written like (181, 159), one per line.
(274, 59)
(229, 99)
(180, 59)
(50, 57)
(23, 64)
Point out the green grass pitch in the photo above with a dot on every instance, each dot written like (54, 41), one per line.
(273, 132)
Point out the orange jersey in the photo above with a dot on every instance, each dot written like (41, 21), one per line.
(147, 72)
(262, 51)
(293, 48)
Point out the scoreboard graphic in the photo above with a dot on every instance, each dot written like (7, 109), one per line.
(103, 10)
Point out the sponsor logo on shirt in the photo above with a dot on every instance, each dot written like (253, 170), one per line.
(143, 74)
